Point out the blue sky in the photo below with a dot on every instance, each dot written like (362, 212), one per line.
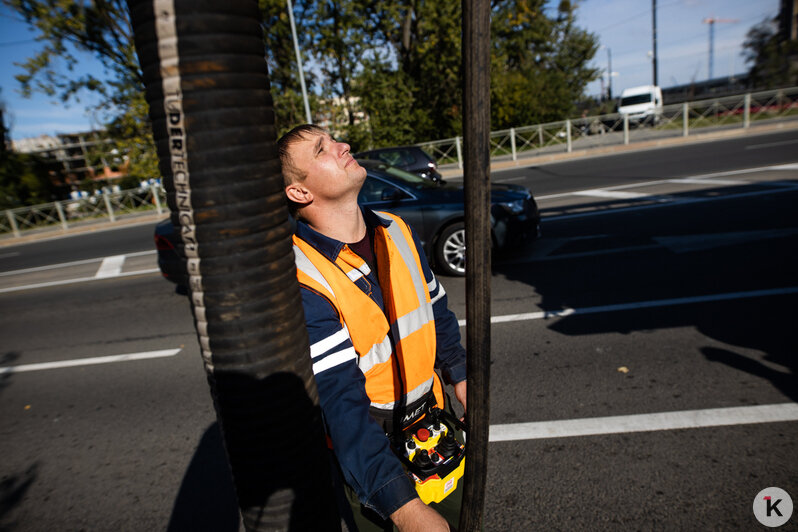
(623, 26)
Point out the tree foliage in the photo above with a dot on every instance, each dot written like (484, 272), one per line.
(67, 31)
(539, 63)
(392, 69)
(410, 83)
(67, 28)
(773, 59)
(286, 90)
(24, 180)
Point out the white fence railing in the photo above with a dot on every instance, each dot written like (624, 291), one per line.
(564, 136)
(69, 213)
(605, 130)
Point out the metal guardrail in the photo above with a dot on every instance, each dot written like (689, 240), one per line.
(554, 137)
(73, 212)
(605, 130)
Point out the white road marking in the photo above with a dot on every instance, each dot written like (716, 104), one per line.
(704, 178)
(700, 242)
(49, 267)
(89, 361)
(110, 267)
(677, 244)
(614, 194)
(74, 263)
(548, 314)
(688, 419)
(73, 281)
(784, 187)
(6, 255)
(546, 256)
(770, 144)
(706, 181)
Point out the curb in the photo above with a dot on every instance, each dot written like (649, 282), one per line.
(41, 235)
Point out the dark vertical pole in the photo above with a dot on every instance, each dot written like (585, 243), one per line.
(476, 134)
(654, 39)
(711, 46)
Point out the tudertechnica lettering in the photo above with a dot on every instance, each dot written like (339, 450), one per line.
(168, 53)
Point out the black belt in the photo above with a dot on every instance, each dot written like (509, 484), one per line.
(403, 416)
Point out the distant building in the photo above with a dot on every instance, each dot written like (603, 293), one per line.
(333, 114)
(70, 155)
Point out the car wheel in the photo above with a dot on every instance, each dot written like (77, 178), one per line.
(450, 250)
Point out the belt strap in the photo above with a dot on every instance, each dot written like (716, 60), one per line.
(402, 418)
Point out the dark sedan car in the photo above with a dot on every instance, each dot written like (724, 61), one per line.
(433, 210)
(410, 158)
(436, 212)
(170, 261)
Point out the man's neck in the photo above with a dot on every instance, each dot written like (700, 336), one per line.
(345, 224)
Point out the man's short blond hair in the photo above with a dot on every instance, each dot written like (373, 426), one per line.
(292, 174)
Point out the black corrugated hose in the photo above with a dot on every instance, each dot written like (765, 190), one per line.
(208, 89)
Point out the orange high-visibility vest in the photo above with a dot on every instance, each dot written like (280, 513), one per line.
(396, 349)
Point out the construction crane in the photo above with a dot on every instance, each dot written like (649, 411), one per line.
(711, 21)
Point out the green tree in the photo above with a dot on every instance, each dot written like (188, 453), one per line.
(24, 180)
(425, 39)
(68, 29)
(773, 58)
(339, 42)
(398, 63)
(286, 90)
(539, 67)
(539, 64)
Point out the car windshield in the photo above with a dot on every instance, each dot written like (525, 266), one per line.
(634, 100)
(407, 178)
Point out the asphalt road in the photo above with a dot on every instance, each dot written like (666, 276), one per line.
(653, 299)
(657, 163)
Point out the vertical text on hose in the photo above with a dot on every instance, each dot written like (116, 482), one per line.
(176, 132)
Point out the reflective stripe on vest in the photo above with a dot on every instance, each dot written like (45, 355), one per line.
(381, 339)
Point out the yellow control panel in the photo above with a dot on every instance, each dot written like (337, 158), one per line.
(437, 459)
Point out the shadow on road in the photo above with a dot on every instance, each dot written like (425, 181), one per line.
(207, 500)
(274, 439)
(7, 359)
(12, 491)
(685, 251)
(787, 383)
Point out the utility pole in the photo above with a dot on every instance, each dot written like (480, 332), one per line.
(609, 74)
(654, 40)
(299, 62)
(711, 21)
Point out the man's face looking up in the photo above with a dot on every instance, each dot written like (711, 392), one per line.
(331, 173)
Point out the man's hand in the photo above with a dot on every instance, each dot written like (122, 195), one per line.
(460, 393)
(415, 516)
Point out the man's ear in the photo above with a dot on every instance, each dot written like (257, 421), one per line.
(298, 194)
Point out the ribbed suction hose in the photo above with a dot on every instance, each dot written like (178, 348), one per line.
(208, 90)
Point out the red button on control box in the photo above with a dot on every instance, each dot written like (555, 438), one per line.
(422, 434)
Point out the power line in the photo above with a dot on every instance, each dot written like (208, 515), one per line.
(633, 17)
(16, 43)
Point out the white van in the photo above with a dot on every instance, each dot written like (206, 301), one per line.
(641, 104)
